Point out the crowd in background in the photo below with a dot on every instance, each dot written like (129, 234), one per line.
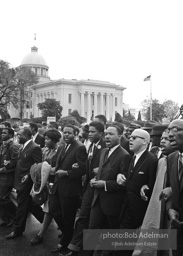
(108, 175)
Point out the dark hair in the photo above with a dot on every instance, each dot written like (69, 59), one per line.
(27, 132)
(98, 125)
(53, 125)
(118, 126)
(53, 134)
(102, 118)
(10, 131)
(33, 126)
(71, 126)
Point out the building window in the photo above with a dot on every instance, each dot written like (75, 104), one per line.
(105, 100)
(69, 111)
(116, 102)
(70, 98)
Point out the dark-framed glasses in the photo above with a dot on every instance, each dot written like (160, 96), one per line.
(135, 137)
(174, 129)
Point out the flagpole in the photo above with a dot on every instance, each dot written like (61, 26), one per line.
(151, 97)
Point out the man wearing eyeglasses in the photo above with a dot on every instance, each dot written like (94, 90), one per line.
(139, 183)
(175, 181)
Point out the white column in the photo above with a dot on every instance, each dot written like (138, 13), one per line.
(89, 108)
(38, 101)
(34, 105)
(95, 103)
(107, 106)
(113, 107)
(102, 103)
(82, 104)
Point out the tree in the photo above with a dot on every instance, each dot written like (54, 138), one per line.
(139, 117)
(14, 85)
(25, 77)
(77, 116)
(171, 108)
(8, 89)
(129, 116)
(118, 118)
(51, 107)
(158, 111)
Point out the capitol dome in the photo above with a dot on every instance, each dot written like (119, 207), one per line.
(37, 63)
(34, 58)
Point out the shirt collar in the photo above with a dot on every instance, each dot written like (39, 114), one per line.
(26, 143)
(111, 150)
(34, 136)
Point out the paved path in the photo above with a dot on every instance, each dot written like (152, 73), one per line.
(21, 246)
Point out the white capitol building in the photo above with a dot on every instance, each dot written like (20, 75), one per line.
(89, 97)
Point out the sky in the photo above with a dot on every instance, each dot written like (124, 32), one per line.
(119, 41)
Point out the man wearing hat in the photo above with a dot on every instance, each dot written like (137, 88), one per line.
(139, 182)
(156, 134)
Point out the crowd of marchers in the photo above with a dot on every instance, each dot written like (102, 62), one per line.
(109, 177)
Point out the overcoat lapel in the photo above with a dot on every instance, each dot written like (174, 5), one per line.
(175, 178)
(22, 151)
(138, 163)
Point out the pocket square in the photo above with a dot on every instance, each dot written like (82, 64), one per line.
(140, 172)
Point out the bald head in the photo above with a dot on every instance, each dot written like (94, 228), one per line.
(141, 133)
(177, 123)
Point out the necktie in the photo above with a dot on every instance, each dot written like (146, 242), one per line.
(106, 155)
(90, 152)
(133, 163)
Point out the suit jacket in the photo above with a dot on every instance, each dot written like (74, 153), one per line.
(112, 199)
(143, 173)
(124, 142)
(10, 154)
(93, 162)
(40, 140)
(176, 200)
(70, 185)
(30, 155)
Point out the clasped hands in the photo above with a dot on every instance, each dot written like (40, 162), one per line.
(174, 215)
(97, 183)
(61, 173)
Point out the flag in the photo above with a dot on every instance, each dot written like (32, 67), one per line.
(148, 78)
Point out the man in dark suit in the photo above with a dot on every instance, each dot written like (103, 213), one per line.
(67, 188)
(108, 195)
(175, 180)
(36, 137)
(139, 183)
(8, 160)
(30, 154)
(96, 130)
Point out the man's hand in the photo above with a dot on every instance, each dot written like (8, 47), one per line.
(61, 173)
(98, 184)
(174, 215)
(95, 170)
(143, 192)
(24, 178)
(52, 171)
(165, 193)
(121, 179)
